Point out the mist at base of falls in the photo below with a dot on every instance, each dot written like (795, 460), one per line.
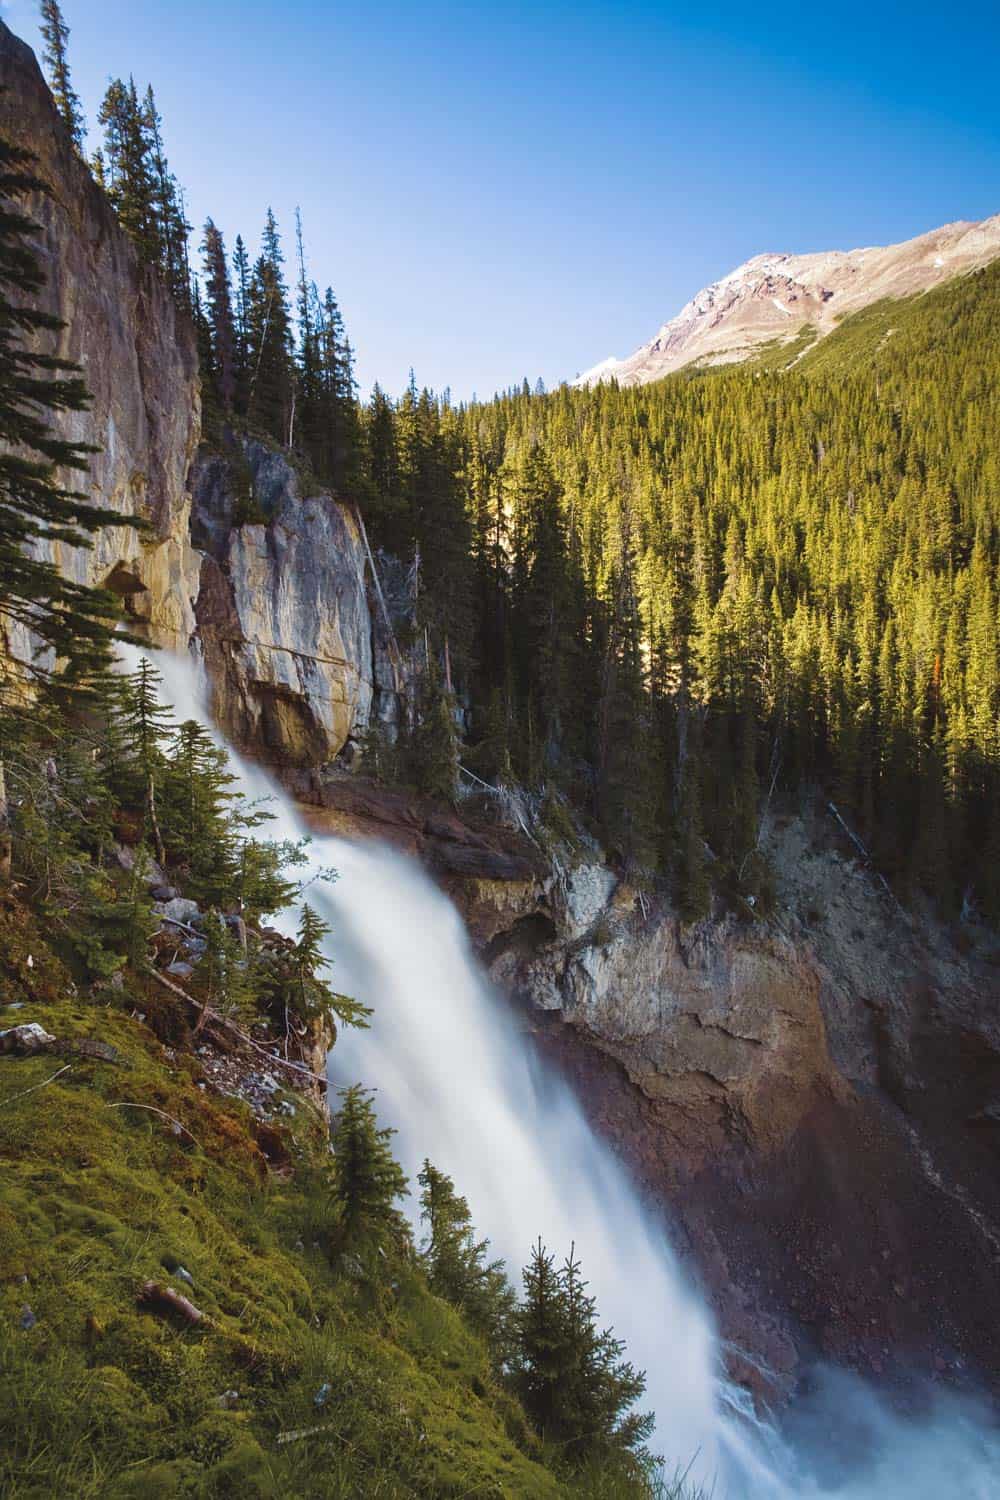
(462, 1086)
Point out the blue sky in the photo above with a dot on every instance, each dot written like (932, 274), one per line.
(496, 192)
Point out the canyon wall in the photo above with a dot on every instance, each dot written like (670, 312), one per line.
(138, 358)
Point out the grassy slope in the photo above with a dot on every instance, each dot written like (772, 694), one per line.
(854, 344)
(100, 1397)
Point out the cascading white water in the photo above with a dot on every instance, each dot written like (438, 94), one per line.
(462, 1087)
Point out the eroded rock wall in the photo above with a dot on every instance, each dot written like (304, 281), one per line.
(814, 1097)
(138, 358)
(283, 613)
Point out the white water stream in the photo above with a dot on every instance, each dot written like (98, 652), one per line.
(460, 1085)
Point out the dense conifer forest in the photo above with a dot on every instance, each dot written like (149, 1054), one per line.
(673, 604)
(663, 607)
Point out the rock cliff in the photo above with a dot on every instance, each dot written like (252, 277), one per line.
(815, 1096)
(283, 616)
(139, 360)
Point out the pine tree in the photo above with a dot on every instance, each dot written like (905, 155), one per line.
(339, 450)
(146, 728)
(222, 369)
(168, 208)
(241, 299)
(434, 744)
(71, 622)
(457, 1265)
(293, 984)
(194, 809)
(367, 1179)
(602, 1387)
(56, 35)
(571, 1377)
(269, 340)
(543, 1358)
(129, 171)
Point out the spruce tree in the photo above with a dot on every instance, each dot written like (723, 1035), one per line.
(129, 171)
(293, 982)
(195, 810)
(241, 300)
(269, 340)
(367, 1179)
(433, 756)
(543, 1358)
(56, 35)
(168, 208)
(571, 1377)
(146, 728)
(457, 1263)
(222, 370)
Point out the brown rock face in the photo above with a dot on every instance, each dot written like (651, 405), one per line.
(138, 358)
(814, 1098)
(283, 617)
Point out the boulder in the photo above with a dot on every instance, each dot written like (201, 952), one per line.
(178, 909)
(26, 1039)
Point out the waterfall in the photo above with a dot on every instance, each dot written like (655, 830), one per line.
(461, 1086)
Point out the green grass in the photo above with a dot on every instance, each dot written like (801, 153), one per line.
(103, 1398)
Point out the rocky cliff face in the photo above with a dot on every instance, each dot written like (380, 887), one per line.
(283, 616)
(816, 1097)
(138, 358)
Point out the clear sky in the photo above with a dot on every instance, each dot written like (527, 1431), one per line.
(500, 191)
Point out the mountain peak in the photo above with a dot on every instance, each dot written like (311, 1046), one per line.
(777, 294)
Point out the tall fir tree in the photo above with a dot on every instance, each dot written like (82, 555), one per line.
(218, 310)
(367, 1179)
(128, 169)
(269, 341)
(55, 33)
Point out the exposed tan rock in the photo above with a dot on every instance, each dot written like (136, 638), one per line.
(139, 361)
(283, 618)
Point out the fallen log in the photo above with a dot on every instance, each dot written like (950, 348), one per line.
(162, 1298)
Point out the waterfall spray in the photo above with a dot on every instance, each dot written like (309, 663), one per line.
(461, 1086)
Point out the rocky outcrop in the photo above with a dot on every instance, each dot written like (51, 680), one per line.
(283, 614)
(463, 858)
(138, 358)
(815, 1096)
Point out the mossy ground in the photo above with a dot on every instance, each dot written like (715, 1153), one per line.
(101, 1397)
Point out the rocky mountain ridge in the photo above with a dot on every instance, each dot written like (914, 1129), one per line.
(795, 299)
